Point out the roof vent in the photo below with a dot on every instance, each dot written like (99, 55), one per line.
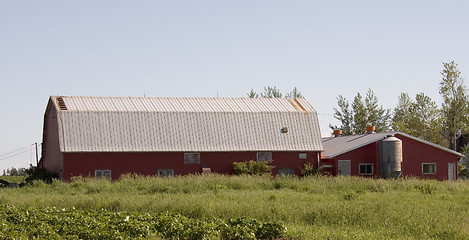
(337, 133)
(61, 103)
(370, 129)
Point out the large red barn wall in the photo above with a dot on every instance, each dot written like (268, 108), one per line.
(84, 164)
(415, 153)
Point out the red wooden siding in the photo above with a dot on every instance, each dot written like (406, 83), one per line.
(365, 154)
(85, 164)
(415, 153)
(329, 166)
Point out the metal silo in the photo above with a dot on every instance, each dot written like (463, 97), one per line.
(391, 157)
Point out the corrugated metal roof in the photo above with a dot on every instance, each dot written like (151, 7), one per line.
(132, 124)
(139, 104)
(335, 146)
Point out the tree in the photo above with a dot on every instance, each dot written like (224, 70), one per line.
(420, 118)
(253, 94)
(455, 100)
(376, 115)
(463, 171)
(17, 172)
(274, 92)
(294, 94)
(363, 113)
(344, 115)
(360, 116)
(271, 92)
(401, 120)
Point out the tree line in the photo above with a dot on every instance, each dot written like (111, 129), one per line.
(274, 92)
(419, 116)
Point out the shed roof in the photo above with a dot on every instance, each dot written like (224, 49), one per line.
(335, 146)
(140, 124)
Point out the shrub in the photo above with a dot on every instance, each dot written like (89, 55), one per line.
(249, 228)
(35, 174)
(253, 168)
(271, 230)
(310, 170)
(240, 168)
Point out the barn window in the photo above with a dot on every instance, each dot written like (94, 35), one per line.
(286, 171)
(102, 173)
(429, 168)
(264, 156)
(366, 169)
(302, 156)
(191, 158)
(165, 172)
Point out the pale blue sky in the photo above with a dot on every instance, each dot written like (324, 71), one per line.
(201, 48)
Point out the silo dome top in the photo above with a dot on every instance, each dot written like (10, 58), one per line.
(391, 138)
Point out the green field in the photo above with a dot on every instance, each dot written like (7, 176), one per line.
(310, 208)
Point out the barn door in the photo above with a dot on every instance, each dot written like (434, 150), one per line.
(344, 167)
(451, 171)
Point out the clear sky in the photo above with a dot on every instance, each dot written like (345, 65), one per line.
(225, 48)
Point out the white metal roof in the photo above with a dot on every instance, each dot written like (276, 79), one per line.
(132, 124)
(335, 146)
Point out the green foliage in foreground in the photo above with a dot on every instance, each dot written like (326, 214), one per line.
(311, 208)
(53, 223)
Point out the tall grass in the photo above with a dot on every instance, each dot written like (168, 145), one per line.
(311, 208)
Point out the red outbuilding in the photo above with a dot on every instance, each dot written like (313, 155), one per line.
(111, 136)
(388, 155)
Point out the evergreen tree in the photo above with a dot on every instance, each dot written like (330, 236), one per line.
(363, 113)
(360, 115)
(274, 92)
(344, 115)
(377, 115)
(253, 94)
(294, 94)
(271, 92)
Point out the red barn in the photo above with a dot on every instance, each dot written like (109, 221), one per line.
(369, 155)
(111, 136)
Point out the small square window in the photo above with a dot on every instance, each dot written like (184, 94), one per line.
(102, 173)
(165, 172)
(264, 156)
(286, 171)
(191, 158)
(303, 155)
(428, 168)
(366, 169)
